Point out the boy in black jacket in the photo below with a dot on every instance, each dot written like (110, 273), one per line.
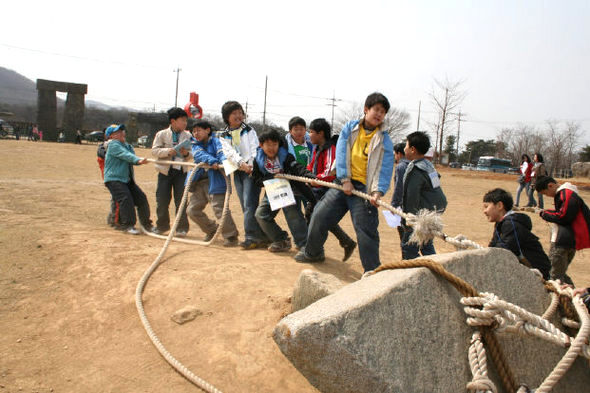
(271, 158)
(512, 231)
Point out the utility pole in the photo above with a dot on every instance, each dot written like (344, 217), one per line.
(264, 113)
(177, 70)
(333, 105)
(459, 129)
(246, 114)
(418, 125)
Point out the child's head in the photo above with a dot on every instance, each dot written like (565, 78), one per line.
(201, 130)
(233, 114)
(178, 119)
(398, 151)
(115, 131)
(546, 185)
(376, 107)
(297, 129)
(319, 131)
(270, 142)
(417, 145)
(538, 157)
(496, 203)
(525, 157)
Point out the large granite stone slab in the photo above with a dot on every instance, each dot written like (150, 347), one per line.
(405, 330)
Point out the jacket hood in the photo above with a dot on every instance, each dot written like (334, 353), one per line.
(260, 157)
(568, 186)
(424, 165)
(521, 218)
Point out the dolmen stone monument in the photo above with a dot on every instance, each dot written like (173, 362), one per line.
(405, 331)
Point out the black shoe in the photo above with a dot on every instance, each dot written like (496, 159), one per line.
(230, 241)
(303, 258)
(280, 246)
(348, 250)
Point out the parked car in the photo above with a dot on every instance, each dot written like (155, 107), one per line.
(454, 165)
(143, 141)
(94, 136)
(5, 128)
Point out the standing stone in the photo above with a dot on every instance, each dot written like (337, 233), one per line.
(73, 115)
(47, 113)
(405, 330)
(311, 286)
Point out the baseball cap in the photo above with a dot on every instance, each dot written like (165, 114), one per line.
(113, 128)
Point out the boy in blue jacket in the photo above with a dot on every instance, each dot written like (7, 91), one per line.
(364, 162)
(209, 185)
(118, 178)
(271, 158)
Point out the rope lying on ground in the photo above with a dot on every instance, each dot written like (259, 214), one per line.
(427, 224)
(485, 310)
(178, 366)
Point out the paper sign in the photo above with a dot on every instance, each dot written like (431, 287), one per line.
(393, 220)
(186, 144)
(279, 193)
(229, 167)
(434, 179)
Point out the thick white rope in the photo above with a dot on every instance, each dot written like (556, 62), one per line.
(513, 319)
(480, 383)
(178, 366)
(427, 224)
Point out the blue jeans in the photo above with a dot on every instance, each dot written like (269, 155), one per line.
(521, 187)
(411, 250)
(532, 201)
(365, 219)
(295, 220)
(249, 196)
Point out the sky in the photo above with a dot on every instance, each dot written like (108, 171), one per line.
(520, 62)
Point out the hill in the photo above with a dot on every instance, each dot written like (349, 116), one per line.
(16, 89)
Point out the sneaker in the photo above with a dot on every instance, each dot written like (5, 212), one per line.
(348, 250)
(302, 258)
(158, 231)
(252, 245)
(280, 246)
(230, 241)
(180, 234)
(132, 231)
(210, 235)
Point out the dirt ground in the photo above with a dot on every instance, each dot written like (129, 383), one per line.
(68, 320)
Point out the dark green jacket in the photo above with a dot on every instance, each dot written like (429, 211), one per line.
(420, 192)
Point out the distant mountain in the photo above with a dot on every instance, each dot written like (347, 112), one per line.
(16, 89)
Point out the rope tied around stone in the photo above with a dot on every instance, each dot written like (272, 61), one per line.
(467, 290)
(427, 224)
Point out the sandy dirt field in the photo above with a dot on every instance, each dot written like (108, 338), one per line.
(68, 320)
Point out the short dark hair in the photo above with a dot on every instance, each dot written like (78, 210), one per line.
(539, 157)
(204, 124)
(499, 195)
(269, 135)
(321, 125)
(542, 182)
(228, 108)
(296, 121)
(419, 140)
(399, 148)
(175, 113)
(377, 98)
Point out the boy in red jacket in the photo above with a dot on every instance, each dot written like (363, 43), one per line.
(322, 165)
(571, 224)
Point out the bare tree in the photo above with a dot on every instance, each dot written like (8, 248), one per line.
(446, 97)
(396, 121)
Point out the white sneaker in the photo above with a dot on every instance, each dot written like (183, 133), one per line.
(180, 234)
(132, 231)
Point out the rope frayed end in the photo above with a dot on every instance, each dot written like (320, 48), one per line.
(427, 225)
